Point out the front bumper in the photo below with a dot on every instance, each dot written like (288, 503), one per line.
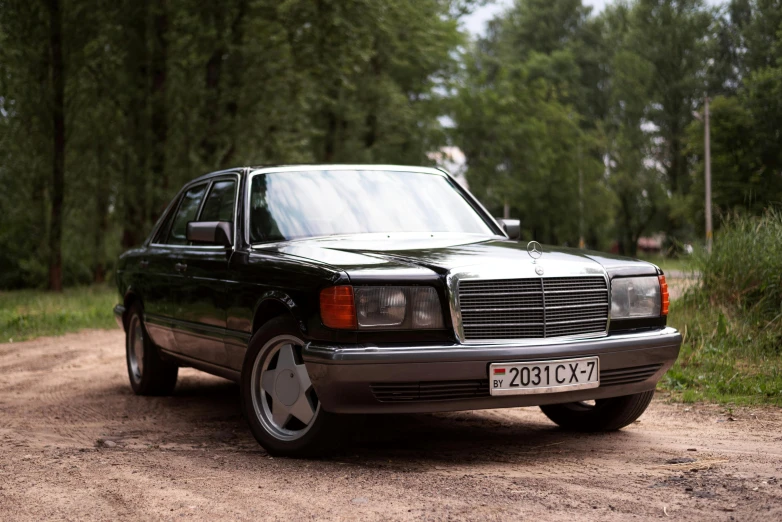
(430, 378)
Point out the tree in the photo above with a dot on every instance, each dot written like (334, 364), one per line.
(517, 120)
(58, 146)
(147, 94)
(745, 120)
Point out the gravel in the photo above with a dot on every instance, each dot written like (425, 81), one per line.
(75, 443)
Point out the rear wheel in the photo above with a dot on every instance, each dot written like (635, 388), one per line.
(278, 399)
(149, 374)
(599, 415)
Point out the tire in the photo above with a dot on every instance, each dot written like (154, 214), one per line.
(149, 374)
(606, 414)
(278, 397)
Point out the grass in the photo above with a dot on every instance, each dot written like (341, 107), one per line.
(26, 314)
(732, 322)
(682, 264)
(725, 357)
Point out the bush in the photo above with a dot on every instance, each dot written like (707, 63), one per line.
(732, 321)
(745, 267)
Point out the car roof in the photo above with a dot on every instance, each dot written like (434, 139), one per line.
(235, 170)
(314, 166)
(346, 166)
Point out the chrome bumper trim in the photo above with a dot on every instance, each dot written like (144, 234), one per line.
(554, 347)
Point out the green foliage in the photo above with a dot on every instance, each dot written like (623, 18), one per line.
(25, 314)
(732, 322)
(158, 93)
(727, 356)
(552, 91)
(745, 120)
(517, 122)
(581, 124)
(745, 267)
(629, 80)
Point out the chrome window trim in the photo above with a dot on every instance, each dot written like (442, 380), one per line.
(490, 222)
(472, 199)
(209, 182)
(519, 271)
(199, 247)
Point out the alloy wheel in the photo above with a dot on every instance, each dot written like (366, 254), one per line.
(136, 348)
(283, 397)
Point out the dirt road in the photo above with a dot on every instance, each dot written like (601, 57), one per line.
(76, 444)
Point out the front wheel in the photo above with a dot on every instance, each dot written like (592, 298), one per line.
(604, 415)
(278, 399)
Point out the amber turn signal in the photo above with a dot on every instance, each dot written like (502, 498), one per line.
(664, 296)
(338, 308)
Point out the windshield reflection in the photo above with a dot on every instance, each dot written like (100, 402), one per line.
(302, 204)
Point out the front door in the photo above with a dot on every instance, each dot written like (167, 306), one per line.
(201, 303)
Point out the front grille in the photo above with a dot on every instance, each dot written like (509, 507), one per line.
(533, 308)
(479, 388)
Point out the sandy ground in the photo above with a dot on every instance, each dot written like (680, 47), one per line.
(76, 444)
(679, 282)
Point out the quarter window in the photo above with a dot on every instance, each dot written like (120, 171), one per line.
(219, 205)
(188, 210)
(162, 231)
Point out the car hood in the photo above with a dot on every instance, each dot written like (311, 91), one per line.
(412, 256)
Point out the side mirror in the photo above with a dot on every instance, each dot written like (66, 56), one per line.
(512, 227)
(211, 232)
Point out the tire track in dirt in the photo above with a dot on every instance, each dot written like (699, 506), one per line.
(191, 455)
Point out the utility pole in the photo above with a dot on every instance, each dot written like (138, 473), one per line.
(707, 152)
(581, 244)
(707, 164)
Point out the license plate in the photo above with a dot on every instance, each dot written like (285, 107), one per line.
(544, 376)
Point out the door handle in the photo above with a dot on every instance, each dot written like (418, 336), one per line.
(143, 263)
(180, 267)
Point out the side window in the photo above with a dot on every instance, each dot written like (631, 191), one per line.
(219, 205)
(162, 231)
(188, 209)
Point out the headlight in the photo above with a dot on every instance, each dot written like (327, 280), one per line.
(398, 307)
(381, 308)
(635, 297)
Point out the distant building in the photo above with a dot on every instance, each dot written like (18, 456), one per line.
(454, 161)
(647, 245)
(653, 244)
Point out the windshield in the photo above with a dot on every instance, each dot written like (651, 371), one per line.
(301, 204)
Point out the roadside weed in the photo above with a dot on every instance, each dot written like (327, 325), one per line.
(25, 314)
(732, 321)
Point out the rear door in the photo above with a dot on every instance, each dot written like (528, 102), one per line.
(161, 281)
(166, 264)
(202, 302)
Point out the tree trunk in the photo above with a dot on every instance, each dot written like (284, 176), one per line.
(235, 73)
(58, 153)
(213, 82)
(102, 218)
(330, 139)
(135, 175)
(159, 116)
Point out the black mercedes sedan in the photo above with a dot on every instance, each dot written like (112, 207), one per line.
(326, 290)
